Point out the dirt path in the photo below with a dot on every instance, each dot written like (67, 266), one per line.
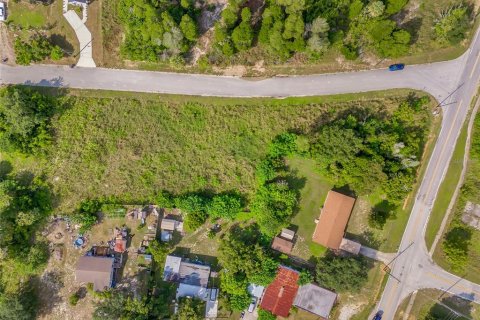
(6, 47)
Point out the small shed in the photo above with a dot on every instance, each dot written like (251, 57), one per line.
(255, 290)
(58, 253)
(350, 246)
(287, 234)
(168, 224)
(282, 245)
(179, 226)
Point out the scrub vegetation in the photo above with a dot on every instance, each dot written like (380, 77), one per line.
(282, 32)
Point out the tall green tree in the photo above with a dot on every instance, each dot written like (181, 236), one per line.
(343, 274)
(25, 117)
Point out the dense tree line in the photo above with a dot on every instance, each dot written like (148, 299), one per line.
(24, 207)
(275, 201)
(244, 260)
(280, 29)
(157, 29)
(198, 207)
(19, 305)
(35, 49)
(25, 204)
(25, 117)
(311, 27)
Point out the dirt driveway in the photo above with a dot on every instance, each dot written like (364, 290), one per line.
(6, 47)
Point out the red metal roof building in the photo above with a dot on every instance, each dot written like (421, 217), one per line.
(279, 295)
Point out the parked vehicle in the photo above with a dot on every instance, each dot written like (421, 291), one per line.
(252, 305)
(213, 294)
(3, 15)
(378, 315)
(396, 67)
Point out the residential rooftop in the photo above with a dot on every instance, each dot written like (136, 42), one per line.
(280, 294)
(333, 220)
(96, 270)
(316, 300)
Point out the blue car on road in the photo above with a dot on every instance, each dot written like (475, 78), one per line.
(396, 67)
(378, 315)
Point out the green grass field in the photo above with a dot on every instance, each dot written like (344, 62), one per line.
(447, 189)
(21, 14)
(133, 145)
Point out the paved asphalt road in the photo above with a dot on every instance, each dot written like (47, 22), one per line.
(434, 78)
(453, 81)
(414, 268)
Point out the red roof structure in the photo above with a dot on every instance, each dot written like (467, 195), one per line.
(279, 295)
(120, 245)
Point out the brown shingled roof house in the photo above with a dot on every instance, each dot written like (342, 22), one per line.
(96, 270)
(333, 220)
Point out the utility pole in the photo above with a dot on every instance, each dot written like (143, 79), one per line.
(387, 269)
(83, 48)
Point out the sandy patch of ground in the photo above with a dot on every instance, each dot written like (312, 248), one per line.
(349, 310)
(235, 71)
(258, 67)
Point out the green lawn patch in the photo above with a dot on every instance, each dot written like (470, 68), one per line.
(312, 197)
(446, 189)
(26, 15)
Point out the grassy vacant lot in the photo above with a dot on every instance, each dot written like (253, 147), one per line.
(470, 269)
(439, 305)
(25, 18)
(133, 145)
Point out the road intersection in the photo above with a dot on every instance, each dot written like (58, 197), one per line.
(454, 83)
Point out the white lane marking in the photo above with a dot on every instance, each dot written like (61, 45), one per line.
(474, 66)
